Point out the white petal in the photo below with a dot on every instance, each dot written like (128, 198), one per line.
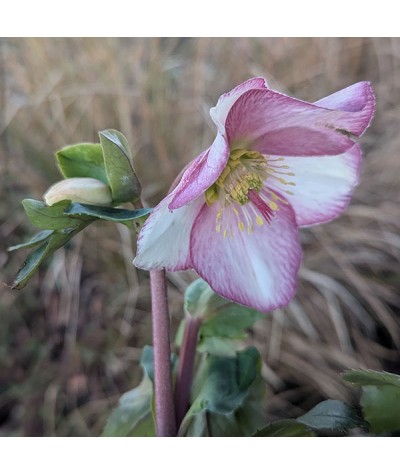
(324, 185)
(164, 239)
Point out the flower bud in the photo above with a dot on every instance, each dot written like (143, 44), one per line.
(79, 190)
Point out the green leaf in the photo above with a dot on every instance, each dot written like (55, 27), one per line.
(82, 160)
(381, 407)
(229, 321)
(34, 241)
(117, 215)
(197, 298)
(380, 399)
(221, 319)
(217, 346)
(133, 416)
(118, 165)
(285, 428)
(228, 397)
(228, 381)
(50, 217)
(332, 416)
(250, 415)
(56, 240)
(364, 377)
(147, 361)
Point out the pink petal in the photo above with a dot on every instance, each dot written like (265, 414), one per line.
(275, 124)
(226, 101)
(354, 98)
(164, 239)
(324, 185)
(258, 270)
(203, 172)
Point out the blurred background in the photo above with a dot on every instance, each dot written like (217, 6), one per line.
(70, 342)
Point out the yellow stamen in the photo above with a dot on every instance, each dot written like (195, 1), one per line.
(273, 205)
(248, 172)
(211, 195)
(235, 154)
(284, 182)
(223, 175)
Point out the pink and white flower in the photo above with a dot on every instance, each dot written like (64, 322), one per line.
(276, 164)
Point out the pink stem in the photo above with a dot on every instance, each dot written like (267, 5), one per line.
(185, 367)
(164, 402)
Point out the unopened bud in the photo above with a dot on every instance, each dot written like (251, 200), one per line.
(79, 190)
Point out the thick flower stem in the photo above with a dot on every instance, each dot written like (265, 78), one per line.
(185, 368)
(164, 401)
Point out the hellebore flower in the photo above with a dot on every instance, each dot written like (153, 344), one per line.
(276, 164)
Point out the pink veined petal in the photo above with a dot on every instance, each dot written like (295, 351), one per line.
(206, 168)
(164, 239)
(258, 270)
(226, 101)
(324, 185)
(356, 97)
(275, 124)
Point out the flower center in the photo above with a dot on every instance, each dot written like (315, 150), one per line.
(244, 171)
(242, 182)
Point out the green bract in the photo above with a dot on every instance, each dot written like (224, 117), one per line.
(98, 173)
(60, 223)
(118, 166)
(82, 160)
(52, 240)
(50, 217)
(110, 162)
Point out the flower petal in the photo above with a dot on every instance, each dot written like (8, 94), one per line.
(226, 101)
(203, 173)
(164, 239)
(258, 270)
(354, 98)
(324, 185)
(275, 124)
